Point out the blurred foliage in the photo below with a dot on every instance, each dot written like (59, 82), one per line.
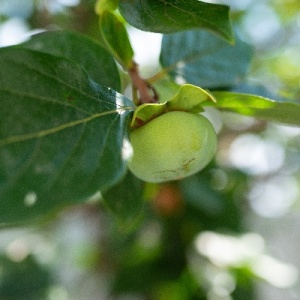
(84, 254)
(23, 280)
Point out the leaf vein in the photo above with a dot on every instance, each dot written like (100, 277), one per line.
(42, 133)
(32, 96)
(63, 82)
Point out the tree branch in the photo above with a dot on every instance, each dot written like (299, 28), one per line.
(146, 92)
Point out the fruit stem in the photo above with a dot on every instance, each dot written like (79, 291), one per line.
(146, 92)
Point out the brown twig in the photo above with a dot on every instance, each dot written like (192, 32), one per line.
(145, 91)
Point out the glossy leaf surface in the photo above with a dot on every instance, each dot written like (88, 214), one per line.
(61, 134)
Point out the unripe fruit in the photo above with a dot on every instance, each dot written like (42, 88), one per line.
(172, 146)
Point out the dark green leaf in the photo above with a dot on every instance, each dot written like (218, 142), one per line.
(86, 52)
(215, 208)
(204, 60)
(23, 280)
(198, 193)
(168, 16)
(125, 200)
(116, 38)
(61, 134)
(258, 107)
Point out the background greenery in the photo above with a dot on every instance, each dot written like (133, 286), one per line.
(230, 232)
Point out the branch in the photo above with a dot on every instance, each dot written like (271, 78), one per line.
(146, 92)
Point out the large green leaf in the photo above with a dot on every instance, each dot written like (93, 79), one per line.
(61, 134)
(202, 59)
(77, 47)
(258, 107)
(168, 16)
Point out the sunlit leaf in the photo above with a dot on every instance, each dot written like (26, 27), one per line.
(259, 107)
(103, 5)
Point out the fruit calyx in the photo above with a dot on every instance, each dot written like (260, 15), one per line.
(189, 98)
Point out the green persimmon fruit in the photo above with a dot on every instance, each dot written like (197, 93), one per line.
(172, 146)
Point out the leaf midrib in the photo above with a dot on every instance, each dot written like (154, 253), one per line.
(43, 133)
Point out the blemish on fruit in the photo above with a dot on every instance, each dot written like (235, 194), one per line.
(187, 165)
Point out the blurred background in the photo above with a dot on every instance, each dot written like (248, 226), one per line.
(230, 232)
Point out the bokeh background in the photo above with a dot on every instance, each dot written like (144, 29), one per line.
(231, 232)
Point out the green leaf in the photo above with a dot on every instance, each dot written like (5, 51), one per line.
(168, 16)
(198, 193)
(86, 52)
(202, 59)
(188, 98)
(125, 200)
(255, 89)
(61, 135)
(214, 208)
(116, 38)
(259, 107)
(33, 278)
